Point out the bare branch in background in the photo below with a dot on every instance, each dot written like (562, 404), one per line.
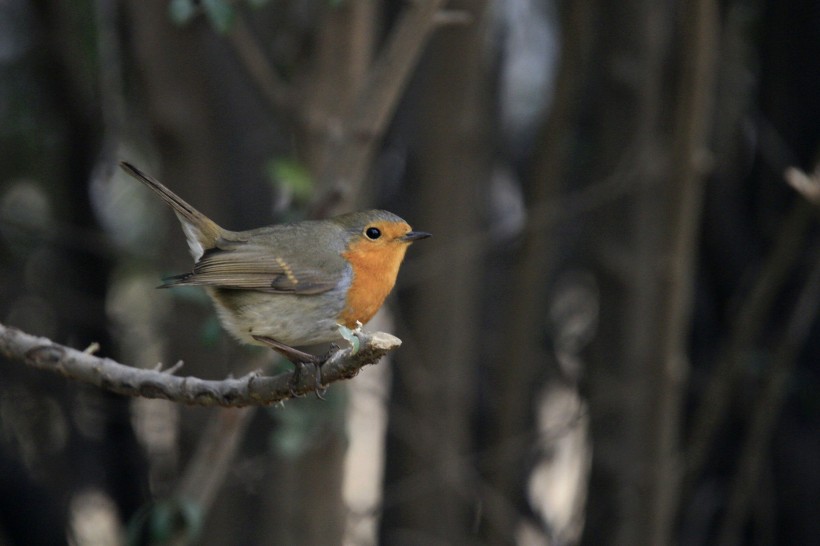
(699, 27)
(252, 56)
(349, 151)
(206, 472)
(747, 325)
(250, 390)
(767, 410)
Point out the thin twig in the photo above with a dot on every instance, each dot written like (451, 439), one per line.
(746, 326)
(692, 124)
(767, 410)
(250, 390)
(215, 451)
(250, 53)
(349, 150)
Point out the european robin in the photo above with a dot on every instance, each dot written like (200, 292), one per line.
(291, 284)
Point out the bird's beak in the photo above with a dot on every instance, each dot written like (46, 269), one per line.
(411, 236)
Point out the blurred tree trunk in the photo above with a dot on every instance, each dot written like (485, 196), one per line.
(640, 247)
(192, 102)
(521, 364)
(178, 116)
(56, 280)
(214, 134)
(429, 438)
(306, 506)
(196, 140)
(343, 55)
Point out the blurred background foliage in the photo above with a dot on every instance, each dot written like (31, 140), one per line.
(609, 340)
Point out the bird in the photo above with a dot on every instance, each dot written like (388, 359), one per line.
(293, 284)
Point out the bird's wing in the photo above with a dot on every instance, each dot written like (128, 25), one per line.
(251, 266)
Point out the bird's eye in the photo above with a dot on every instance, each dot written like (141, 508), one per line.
(372, 233)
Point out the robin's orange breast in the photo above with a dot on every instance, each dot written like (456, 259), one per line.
(375, 268)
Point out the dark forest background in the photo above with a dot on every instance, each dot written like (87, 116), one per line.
(610, 339)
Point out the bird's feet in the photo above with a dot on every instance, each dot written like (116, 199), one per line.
(299, 359)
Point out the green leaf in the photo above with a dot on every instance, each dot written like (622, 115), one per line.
(169, 521)
(302, 426)
(181, 11)
(220, 13)
(292, 177)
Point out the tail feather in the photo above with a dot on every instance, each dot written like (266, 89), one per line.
(201, 232)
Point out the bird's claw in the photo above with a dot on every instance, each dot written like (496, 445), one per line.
(299, 359)
(296, 378)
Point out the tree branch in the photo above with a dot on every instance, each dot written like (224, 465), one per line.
(252, 56)
(747, 324)
(767, 410)
(349, 151)
(250, 390)
(715, 402)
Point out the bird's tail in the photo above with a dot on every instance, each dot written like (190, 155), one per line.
(202, 232)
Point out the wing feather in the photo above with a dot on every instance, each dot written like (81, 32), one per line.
(249, 266)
